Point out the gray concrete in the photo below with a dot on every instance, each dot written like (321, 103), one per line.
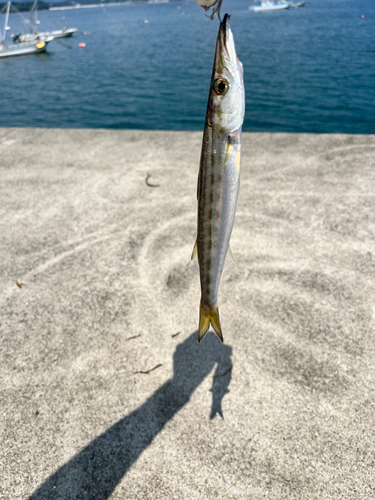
(101, 258)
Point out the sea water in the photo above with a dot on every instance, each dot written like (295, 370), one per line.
(310, 69)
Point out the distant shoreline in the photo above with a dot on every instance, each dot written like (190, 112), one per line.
(66, 5)
(96, 5)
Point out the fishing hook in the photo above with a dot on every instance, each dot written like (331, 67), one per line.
(215, 9)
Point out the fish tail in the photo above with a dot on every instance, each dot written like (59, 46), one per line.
(207, 317)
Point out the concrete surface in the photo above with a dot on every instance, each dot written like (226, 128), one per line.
(103, 262)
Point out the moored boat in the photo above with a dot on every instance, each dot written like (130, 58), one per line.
(19, 48)
(24, 48)
(268, 5)
(63, 33)
(32, 25)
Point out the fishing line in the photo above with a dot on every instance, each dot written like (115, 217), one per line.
(216, 7)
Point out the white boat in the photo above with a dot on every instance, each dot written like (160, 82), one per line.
(24, 48)
(20, 48)
(32, 23)
(63, 33)
(268, 5)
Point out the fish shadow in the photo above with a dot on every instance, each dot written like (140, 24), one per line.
(96, 470)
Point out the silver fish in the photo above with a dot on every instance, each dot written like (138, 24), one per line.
(219, 174)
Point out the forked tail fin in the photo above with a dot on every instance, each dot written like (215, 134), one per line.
(207, 317)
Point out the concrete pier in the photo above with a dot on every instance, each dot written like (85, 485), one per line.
(105, 392)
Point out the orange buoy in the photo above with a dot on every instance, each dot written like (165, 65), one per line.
(82, 45)
(362, 17)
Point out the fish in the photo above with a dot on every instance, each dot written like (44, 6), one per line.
(219, 175)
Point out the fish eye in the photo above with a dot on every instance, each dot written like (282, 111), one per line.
(221, 86)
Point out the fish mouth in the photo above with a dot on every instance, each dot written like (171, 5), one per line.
(226, 56)
(224, 31)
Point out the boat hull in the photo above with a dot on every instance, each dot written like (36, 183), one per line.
(55, 34)
(60, 33)
(22, 49)
(266, 8)
(63, 34)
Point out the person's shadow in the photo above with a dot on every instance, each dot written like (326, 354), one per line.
(96, 470)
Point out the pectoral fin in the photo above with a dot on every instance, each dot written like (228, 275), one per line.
(194, 255)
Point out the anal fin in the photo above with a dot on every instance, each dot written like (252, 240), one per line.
(229, 259)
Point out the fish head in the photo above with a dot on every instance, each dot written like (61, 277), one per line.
(226, 105)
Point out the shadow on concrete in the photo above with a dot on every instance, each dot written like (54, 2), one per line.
(97, 469)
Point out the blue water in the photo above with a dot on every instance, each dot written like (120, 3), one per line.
(310, 69)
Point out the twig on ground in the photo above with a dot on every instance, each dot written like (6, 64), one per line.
(133, 337)
(149, 371)
(151, 185)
